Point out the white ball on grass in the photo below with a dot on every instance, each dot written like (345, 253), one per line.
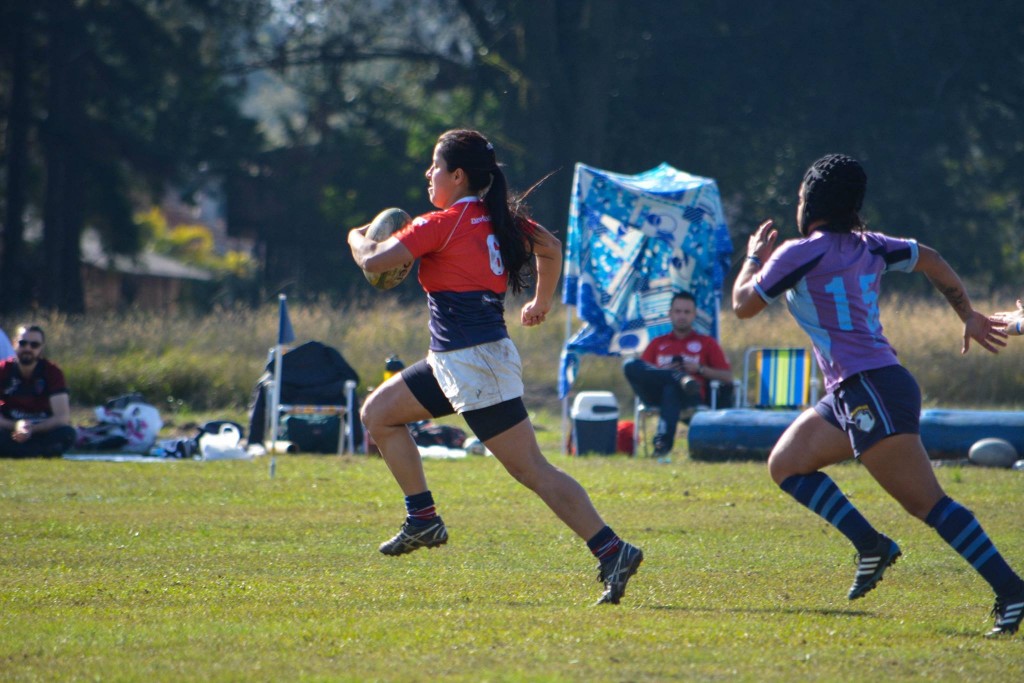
(993, 452)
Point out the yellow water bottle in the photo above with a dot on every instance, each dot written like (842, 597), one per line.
(392, 366)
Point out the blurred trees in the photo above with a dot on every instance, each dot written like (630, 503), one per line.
(351, 95)
(107, 104)
(103, 103)
(929, 97)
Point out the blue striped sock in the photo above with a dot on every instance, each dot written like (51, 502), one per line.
(819, 493)
(958, 527)
(420, 507)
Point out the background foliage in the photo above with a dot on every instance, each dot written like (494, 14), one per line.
(305, 117)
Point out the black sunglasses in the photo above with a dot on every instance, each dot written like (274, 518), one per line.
(31, 344)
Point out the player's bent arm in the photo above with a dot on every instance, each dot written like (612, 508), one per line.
(942, 276)
(547, 250)
(746, 302)
(377, 257)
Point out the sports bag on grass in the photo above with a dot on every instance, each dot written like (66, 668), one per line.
(126, 423)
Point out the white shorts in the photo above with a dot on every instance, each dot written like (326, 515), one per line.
(479, 376)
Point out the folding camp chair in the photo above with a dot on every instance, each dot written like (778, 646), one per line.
(346, 417)
(315, 380)
(785, 378)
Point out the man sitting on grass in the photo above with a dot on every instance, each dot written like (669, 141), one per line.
(35, 411)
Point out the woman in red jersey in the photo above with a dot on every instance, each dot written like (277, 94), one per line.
(478, 244)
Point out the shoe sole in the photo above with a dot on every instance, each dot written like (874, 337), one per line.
(429, 546)
(633, 567)
(1001, 632)
(881, 575)
(404, 549)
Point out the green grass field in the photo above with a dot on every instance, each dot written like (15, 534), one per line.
(213, 571)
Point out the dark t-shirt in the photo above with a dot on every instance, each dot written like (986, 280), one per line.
(29, 399)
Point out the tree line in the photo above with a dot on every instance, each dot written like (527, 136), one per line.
(307, 117)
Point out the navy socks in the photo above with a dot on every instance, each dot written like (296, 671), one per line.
(604, 543)
(420, 507)
(818, 492)
(954, 523)
(959, 528)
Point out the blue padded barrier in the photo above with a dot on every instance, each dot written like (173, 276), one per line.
(736, 433)
(749, 434)
(951, 433)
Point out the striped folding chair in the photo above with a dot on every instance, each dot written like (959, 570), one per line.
(785, 378)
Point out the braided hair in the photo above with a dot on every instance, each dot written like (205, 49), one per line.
(834, 188)
(471, 151)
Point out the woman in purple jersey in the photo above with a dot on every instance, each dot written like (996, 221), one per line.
(830, 277)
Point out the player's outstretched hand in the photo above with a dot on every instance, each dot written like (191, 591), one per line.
(982, 330)
(1010, 322)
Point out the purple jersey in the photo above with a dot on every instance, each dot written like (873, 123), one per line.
(831, 282)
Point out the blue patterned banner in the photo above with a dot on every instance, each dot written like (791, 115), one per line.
(633, 241)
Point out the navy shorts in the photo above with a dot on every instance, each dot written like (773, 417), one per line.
(874, 404)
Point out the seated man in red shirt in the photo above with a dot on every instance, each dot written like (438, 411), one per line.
(673, 371)
(35, 410)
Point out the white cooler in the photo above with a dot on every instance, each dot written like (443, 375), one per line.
(595, 418)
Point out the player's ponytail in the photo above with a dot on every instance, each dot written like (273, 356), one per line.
(470, 151)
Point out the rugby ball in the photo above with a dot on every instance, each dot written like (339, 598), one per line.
(992, 453)
(384, 225)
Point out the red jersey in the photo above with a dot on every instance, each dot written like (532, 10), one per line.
(700, 348)
(457, 249)
(22, 398)
(462, 272)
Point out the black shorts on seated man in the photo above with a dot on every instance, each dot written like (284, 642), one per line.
(35, 410)
(673, 372)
